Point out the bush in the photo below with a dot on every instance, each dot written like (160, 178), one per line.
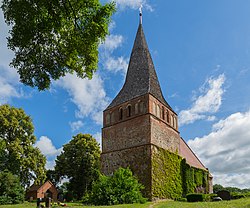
(181, 199)
(209, 197)
(235, 195)
(121, 188)
(11, 191)
(195, 197)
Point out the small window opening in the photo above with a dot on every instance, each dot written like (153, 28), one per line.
(129, 111)
(120, 113)
(163, 113)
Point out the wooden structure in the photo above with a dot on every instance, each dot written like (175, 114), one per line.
(45, 190)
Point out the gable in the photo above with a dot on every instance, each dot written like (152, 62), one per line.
(43, 188)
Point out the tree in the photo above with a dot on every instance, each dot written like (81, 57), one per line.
(120, 188)
(11, 191)
(217, 187)
(51, 38)
(17, 153)
(53, 176)
(80, 163)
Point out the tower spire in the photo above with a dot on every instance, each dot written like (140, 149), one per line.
(141, 76)
(140, 9)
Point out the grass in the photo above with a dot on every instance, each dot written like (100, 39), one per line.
(239, 203)
(78, 205)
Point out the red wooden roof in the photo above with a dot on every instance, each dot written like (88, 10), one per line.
(191, 158)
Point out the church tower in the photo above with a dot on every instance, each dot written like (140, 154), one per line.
(139, 120)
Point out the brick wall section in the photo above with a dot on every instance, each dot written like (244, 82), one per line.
(126, 134)
(44, 188)
(163, 136)
(137, 158)
(37, 191)
(152, 102)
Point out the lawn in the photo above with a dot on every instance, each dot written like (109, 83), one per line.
(240, 203)
(78, 205)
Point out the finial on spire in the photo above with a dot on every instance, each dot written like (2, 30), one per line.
(140, 9)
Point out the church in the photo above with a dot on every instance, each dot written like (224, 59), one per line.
(140, 131)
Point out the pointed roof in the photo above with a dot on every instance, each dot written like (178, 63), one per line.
(141, 76)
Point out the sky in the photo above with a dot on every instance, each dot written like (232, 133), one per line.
(201, 53)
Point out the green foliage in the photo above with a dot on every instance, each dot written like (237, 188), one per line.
(192, 178)
(209, 197)
(52, 38)
(233, 190)
(236, 195)
(181, 199)
(195, 197)
(64, 190)
(166, 174)
(80, 163)
(52, 176)
(173, 178)
(217, 187)
(17, 153)
(11, 191)
(120, 188)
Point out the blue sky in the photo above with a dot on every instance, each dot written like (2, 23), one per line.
(201, 52)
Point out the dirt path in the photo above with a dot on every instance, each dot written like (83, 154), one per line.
(157, 202)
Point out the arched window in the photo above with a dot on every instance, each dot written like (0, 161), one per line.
(175, 123)
(120, 114)
(136, 108)
(172, 120)
(168, 116)
(154, 108)
(112, 117)
(141, 107)
(108, 118)
(158, 114)
(163, 113)
(128, 110)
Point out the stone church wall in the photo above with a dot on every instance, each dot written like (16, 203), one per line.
(163, 136)
(126, 134)
(137, 158)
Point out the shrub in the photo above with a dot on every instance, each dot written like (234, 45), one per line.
(209, 197)
(195, 197)
(181, 199)
(120, 188)
(11, 191)
(235, 195)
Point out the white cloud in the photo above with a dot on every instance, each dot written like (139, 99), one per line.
(133, 4)
(207, 103)
(109, 62)
(46, 146)
(226, 150)
(76, 125)
(49, 150)
(112, 42)
(9, 84)
(88, 95)
(117, 64)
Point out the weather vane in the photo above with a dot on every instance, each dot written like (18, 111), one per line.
(140, 9)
